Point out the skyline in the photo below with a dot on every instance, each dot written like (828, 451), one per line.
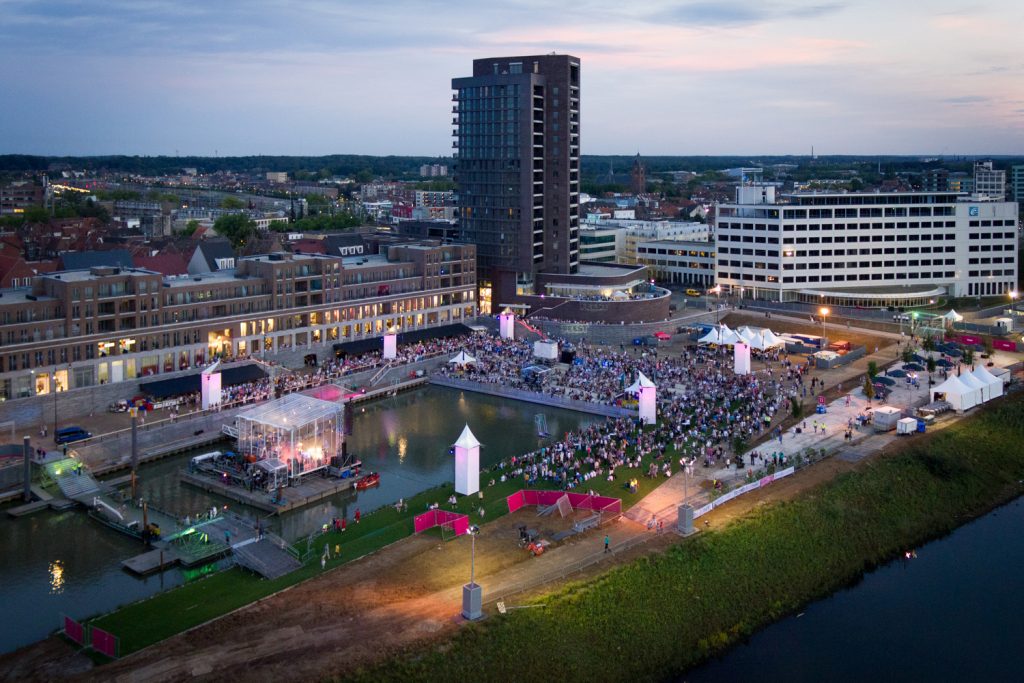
(661, 78)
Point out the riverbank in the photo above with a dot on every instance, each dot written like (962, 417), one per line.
(663, 614)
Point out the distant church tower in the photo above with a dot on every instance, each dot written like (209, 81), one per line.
(638, 182)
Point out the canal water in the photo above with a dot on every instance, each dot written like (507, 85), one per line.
(952, 613)
(53, 563)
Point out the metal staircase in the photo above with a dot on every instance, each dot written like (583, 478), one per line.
(73, 479)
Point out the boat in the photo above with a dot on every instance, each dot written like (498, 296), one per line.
(371, 479)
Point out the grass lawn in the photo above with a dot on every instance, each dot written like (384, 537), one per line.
(658, 616)
(166, 614)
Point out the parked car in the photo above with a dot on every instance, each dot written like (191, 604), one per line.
(692, 292)
(70, 435)
(901, 317)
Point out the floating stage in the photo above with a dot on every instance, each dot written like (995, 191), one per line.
(303, 492)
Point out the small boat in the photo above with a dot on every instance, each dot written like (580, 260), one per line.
(371, 479)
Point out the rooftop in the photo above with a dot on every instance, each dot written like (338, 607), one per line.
(291, 411)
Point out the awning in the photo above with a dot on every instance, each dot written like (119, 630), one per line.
(188, 384)
(411, 337)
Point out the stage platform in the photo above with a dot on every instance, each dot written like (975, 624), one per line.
(310, 489)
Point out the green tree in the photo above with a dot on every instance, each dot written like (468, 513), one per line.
(872, 369)
(929, 344)
(989, 348)
(280, 226)
(237, 227)
(230, 202)
(869, 388)
(364, 176)
(908, 354)
(796, 408)
(968, 352)
(190, 228)
(36, 214)
(930, 364)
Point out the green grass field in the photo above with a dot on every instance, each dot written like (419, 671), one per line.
(658, 616)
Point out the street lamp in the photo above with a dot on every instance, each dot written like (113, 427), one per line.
(472, 593)
(717, 289)
(824, 312)
(55, 387)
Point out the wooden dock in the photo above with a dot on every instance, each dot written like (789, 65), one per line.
(311, 489)
(152, 561)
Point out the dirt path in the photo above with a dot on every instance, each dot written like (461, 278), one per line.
(373, 608)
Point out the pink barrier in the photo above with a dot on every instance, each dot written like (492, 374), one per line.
(579, 501)
(515, 501)
(967, 339)
(104, 642)
(459, 523)
(74, 630)
(1004, 345)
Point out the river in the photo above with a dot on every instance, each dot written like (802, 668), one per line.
(53, 563)
(952, 613)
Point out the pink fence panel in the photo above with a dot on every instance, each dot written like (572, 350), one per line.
(580, 501)
(74, 630)
(425, 521)
(515, 501)
(1004, 345)
(548, 497)
(530, 497)
(461, 525)
(606, 504)
(104, 642)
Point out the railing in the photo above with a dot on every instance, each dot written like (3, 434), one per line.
(533, 397)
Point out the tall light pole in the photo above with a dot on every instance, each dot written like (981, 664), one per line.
(717, 289)
(824, 312)
(472, 593)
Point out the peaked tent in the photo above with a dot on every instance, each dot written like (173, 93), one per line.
(771, 340)
(641, 382)
(714, 336)
(952, 317)
(956, 393)
(729, 337)
(462, 358)
(466, 439)
(993, 385)
(973, 382)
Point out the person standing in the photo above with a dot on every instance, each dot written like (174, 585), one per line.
(607, 544)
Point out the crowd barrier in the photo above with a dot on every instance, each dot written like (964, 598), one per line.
(746, 488)
(457, 522)
(578, 501)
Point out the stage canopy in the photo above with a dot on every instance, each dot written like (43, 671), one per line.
(642, 382)
(462, 358)
(301, 431)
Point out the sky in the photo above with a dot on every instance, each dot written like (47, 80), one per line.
(711, 77)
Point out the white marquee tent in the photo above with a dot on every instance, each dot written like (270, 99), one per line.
(973, 382)
(952, 317)
(462, 358)
(993, 385)
(958, 394)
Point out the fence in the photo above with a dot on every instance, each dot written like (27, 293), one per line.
(456, 522)
(101, 641)
(578, 501)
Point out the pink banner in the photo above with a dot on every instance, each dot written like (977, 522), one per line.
(461, 525)
(579, 501)
(74, 630)
(530, 497)
(104, 642)
(515, 501)
(967, 339)
(1004, 345)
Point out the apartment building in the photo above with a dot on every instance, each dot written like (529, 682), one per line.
(107, 324)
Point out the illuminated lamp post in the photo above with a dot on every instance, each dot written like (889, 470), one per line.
(717, 289)
(472, 592)
(824, 312)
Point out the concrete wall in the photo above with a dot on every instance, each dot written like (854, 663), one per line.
(601, 333)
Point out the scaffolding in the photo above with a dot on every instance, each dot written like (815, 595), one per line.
(302, 432)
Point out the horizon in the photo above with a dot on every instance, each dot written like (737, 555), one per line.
(659, 78)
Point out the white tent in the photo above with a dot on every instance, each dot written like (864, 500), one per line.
(729, 337)
(641, 382)
(771, 340)
(974, 383)
(462, 358)
(714, 336)
(993, 385)
(748, 334)
(952, 317)
(958, 394)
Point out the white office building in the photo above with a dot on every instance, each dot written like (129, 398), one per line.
(989, 181)
(679, 262)
(867, 249)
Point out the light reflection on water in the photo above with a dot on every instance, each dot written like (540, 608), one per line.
(65, 562)
(56, 577)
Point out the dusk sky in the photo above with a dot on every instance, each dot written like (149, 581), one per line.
(322, 77)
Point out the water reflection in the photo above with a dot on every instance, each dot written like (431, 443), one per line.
(56, 577)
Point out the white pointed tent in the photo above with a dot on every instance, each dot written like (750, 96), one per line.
(714, 336)
(467, 463)
(507, 324)
(958, 394)
(974, 383)
(747, 333)
(993, 385)
(462, 358)
(646, 393)
(952, 317)
(729, 337)
(771, 340)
